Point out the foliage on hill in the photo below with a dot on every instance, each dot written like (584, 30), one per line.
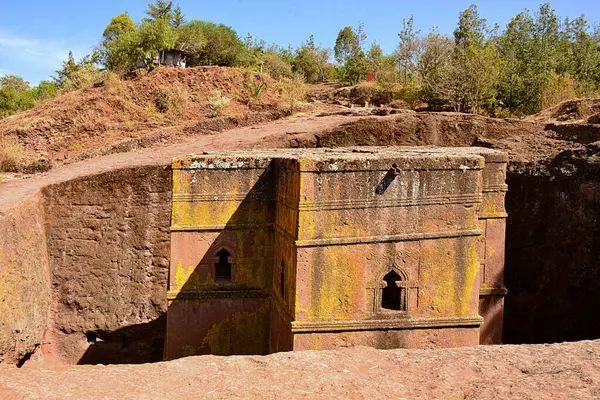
(537, 60)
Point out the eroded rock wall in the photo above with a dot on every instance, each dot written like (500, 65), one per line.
(553, 250)
(24, 279)
(108, 250)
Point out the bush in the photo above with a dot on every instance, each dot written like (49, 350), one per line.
(172, 101)
(217, 103)
(363, 92)
(82, 78)
(276, 66)
(292, 90)
(556, 89)
(410, 93)
(12, 154)
(584, 109)
(112, 82)
(45, 90)
(13, 101)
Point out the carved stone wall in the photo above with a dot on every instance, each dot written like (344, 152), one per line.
(320, 241)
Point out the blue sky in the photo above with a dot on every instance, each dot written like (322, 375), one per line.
(35, 36)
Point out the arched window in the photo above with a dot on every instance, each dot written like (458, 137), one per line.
(393, 295)
(223, 267)
(282, 279)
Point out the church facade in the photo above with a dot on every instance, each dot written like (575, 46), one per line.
(318, 249)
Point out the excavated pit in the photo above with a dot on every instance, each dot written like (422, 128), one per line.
(100, 294)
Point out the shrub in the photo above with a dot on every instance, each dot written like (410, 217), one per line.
(556, 89)
(112, 82)
(292, 90)
(45, 90)
(13, 101)
(82, 78)
(410, 93)
(584, 109)
(12, 154)
(217, 103)
(363, 92)
(172, 100)
(257, 88)
(139, 73)
(276, 66)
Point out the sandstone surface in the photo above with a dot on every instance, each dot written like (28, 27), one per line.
(558, 371)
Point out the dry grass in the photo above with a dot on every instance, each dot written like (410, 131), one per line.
(293, 91)
(584, 109)
(557, 89)
(172, 101)
(112, 83)
(13, 154)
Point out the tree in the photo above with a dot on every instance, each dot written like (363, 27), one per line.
(530, 47)
(190, 39)
(13, 82)
(222, 45)
(408, 49)
(68, 69)
(15, 95)
(154, 37)
(77, 75)
(160, 9)
(347, 44)
(356, 68)
(118, 25)
(349, 53)
(583, 55)
(375, 56)
(119, 48)
(276, 66)
(45, 90)
(434, 68)
(178, 19)
(311, 61)
(476, 64)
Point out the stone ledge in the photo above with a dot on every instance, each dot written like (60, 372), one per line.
(215, 294)
(387, 238)
(493, 291)
(367, 325)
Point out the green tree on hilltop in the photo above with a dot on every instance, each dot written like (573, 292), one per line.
(160, 9)
(407, 53)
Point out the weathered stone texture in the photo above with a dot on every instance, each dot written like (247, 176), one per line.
(318, 232)
(541, 372)
(24, 279)
(108, 247)
(553, 250)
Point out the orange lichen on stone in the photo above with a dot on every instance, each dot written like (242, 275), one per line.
(316, 234)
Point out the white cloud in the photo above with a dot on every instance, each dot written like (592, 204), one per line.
(25, 53)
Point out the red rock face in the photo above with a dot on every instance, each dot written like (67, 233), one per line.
(371, 246)
(24, 280)
(108, 250)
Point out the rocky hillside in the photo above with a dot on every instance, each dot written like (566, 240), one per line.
(120, 116)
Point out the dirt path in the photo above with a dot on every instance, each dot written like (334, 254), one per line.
(559, 371)
(271, 135)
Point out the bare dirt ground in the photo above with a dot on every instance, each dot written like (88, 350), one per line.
(167, 106)
(559, 371)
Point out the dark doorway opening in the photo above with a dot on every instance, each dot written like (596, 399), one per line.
(392, 296)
